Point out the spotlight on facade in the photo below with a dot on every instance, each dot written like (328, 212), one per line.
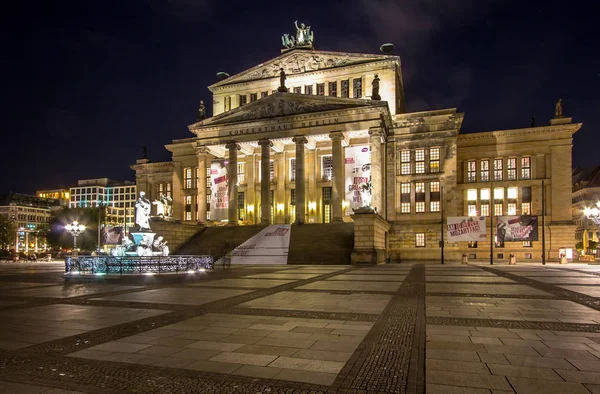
(593, 213)
(386, 48)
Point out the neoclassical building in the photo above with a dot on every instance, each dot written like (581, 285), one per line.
(310, 135)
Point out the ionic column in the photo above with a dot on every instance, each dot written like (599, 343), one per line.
(337, 183)
(300, 140)
(265, 181)
(202, 153)
(232, 176)
(376, 172)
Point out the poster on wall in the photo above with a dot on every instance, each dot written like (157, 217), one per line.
(358, 170)
(219, 190)
(270, 246)
(516, 228)
(466, 228)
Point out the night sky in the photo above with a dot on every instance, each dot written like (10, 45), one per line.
(88, 83)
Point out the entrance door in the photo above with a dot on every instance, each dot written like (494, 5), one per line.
(326, 204)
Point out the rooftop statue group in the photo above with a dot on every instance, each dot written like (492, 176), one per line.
(304, 37)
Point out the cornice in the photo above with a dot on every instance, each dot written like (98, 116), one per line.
(571, 128)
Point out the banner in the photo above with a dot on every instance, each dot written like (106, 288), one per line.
(466, 228)
(358, 170)
(112, 235)
(516, 228)
(270, 246)
(219, 191)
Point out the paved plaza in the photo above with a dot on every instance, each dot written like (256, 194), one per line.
(398, 328)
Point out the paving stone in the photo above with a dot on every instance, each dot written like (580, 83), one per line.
(540, 362)
(307, 364)
(470, 380)
(579, 376)
(160, 350)
(91, 354)
(533, 386)
(456, 366)
(287, 342)
(568, 353)
(586, 365)
(257, 371)
(295, 375)
(442, 389)
(212, 366)
(327, 355)
(442, 354)
(244, 358)
(520, 350)
(270, 350)
(493, 358)
(221, 346)
(524, 372)
(195, 354)
(121, 347)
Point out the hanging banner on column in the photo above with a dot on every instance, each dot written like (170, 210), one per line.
(466, 228)
(517, 228)
(219, 190)
(358, 170)
(270, 246)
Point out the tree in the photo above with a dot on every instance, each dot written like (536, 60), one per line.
(7, 232)
(59, 237)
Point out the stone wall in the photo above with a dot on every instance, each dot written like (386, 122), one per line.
(175, 233)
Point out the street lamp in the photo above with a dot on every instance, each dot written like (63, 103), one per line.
(593, 213)
(75, 229)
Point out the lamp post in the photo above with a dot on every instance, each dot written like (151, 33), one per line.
(75, 229)
(101, 205)
(593, 214)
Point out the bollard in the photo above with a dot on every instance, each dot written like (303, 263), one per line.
(465, 259)
(513, 259)
(563, 258)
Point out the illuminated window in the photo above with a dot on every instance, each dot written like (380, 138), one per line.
(420, 161)
(208, 178)
(498, 193)
(472, 210)
(227, 104)
(241, 173)
(405, 207)
(327, 167)
(434, 196)
(271, 171)
(511, 168)
(292, 170)
(420, 240)
(357, 87)
(434, 206)
(333, 89)
(526, 208)
(405, 162)
(472, 195)
(345, 88)
(484, 194)
(420, 187)
(321, 89)
(525, 167)
(434, 187)
(308, 89)
(511, 208)
(187, 178)
(511, 193)
(485, 210)
(471, 171)
(253, 97)
(405, 188)
(485, 170)
(434, 160)
(498, 169)
(265, 94)
(527, 244)
(420, 207)
(298, 89)
(243, 99)
(405, 198)
(188, 207)
(497, 209)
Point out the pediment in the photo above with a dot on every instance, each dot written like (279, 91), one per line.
(299, 61)
(285, 104)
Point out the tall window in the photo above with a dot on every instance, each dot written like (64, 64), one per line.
(333, 89)
(321, 89)
(327, 167)
(526, 200)
(484, 195)
(243, 99)
(292, 170)
(497, 169)
(405, 198)
(405, 162)
(241, 206)
(471, 171)
(525, 167)
(485, 170)
(345, 87)
(511, 195)
(187, 177)
(511, 168)
(188, 207)
(308, 89)
(434, 196)
(419, 197)
(263, 94)
(227, 104)
(434, 160)
(498, 201)
(298, 89)
(253, 97)
(357, 87)
(420, 240)
(241, 173)
(327, 191)
(472, 202)
(292, 205)
(419, 161)
(271, 171)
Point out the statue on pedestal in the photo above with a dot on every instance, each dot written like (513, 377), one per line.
(375, 95)
(142, 213)
(559, 109)
(201, 111)
(282, 78)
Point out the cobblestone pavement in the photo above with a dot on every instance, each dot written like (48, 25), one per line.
(408, 328)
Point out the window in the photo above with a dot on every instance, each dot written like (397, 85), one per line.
(526, 208)
(326, 167)
(472, 202)
(345, 88)
(511, 168)
(292, 170)
(187, 178)
(208, 178)
(243, 99)
(526, 200)
(485, 170)
(497, 169)
(434, 160)
(497, 209)
(405, 198)
(263, 94)
(472, 210)
(420, 207)
(241, 173)
(333, 89)
(357, 87)
(485, 210)
(434, 206)
(292, 196)
(321, 89)
(420, 240)
(405, 162)
(472, 245)
(434, 196)
(472, 195)
(419, 161)
(471, 171)
(241, 205)
(419, 197)
(271, 171)
(498, 193)
(298, 89)
(308, 89)
(527, 244)
(188, 207)
(525, 167)
(511, 208)
(405, 207)
(511, 193)
(253, 97)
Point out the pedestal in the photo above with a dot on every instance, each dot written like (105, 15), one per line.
(370, 237)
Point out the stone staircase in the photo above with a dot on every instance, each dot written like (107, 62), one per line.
(215, 240)
(321, 244)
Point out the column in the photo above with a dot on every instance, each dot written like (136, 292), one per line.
(202, 153)
(299, 181)
(265, 181)
(232, 176)
(176, 189)
(337, 190)
(376, 172)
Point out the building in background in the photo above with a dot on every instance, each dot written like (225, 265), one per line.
(61, 195)
(586, 194)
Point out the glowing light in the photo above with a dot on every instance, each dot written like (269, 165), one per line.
(190, 271)
(312, 206)
(250, 208)
(280, 207)
(149, 273)
(100, 273)
(201, 270)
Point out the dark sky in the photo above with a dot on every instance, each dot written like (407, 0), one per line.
(88, 83)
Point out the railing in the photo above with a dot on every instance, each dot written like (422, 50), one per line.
(136, 264)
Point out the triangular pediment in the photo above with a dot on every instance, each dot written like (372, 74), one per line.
(300, 61)
(285, 104)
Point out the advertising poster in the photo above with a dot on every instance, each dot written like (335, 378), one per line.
(270, 246)
(112, 235)
(516, 228)
(219, 190)
(358, 170)
(466, 228)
